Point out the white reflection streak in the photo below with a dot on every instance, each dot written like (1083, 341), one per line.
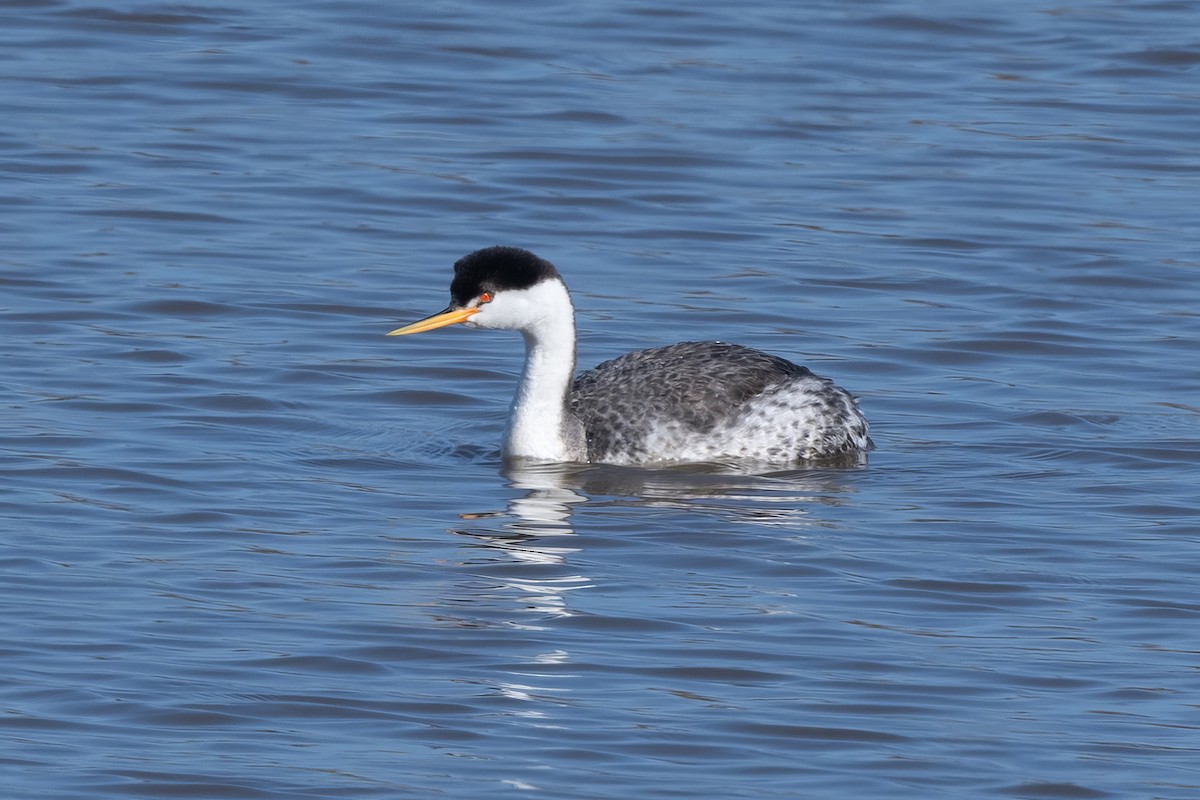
(543, 512)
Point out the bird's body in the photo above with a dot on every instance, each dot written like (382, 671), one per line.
(708, 401)
(693, 401)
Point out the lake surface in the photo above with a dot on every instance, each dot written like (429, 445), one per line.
(250, 547)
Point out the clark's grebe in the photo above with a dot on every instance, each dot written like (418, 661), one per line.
(694, 401)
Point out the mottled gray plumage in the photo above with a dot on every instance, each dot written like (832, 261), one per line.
(711, 400)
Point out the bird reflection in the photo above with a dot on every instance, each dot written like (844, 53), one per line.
(523, 552)
(520, 559)
(532, 534)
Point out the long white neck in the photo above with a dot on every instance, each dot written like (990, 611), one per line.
(540, 425)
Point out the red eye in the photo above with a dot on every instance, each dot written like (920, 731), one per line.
(486, 297)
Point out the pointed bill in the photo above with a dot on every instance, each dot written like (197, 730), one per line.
(439, 320)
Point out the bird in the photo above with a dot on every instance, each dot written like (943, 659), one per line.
(696, 402)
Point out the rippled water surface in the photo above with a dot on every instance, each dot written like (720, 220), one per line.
(253, 548)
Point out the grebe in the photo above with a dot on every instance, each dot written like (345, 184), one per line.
(693, 401)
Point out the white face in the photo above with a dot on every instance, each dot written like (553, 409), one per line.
(522, 309)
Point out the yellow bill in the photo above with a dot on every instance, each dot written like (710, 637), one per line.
(440, 320)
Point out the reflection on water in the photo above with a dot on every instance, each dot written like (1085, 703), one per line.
(523, 568)
(730, 491)
(523, 563)
(531, 535)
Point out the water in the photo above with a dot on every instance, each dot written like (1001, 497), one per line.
(252, 548)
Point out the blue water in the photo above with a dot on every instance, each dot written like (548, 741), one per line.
(250, 547)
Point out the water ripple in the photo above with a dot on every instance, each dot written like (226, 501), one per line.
(253, 548)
